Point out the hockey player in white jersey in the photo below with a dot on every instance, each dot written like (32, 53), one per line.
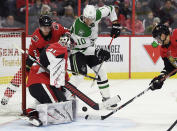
(84, 32)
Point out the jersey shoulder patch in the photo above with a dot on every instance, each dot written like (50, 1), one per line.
(35, 38)
(55, 26)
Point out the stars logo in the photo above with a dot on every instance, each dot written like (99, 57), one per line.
(81, 33)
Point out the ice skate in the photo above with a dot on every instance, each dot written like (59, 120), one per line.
(4, 100)
(111, 103)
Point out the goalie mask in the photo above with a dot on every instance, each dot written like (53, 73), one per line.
(65, 41)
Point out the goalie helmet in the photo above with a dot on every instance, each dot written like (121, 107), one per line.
(90, 12)
(160, 29)
(45, 20)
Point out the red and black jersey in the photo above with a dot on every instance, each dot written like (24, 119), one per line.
(57, 50)
(37, 75)
(38, 42)
(169, 50)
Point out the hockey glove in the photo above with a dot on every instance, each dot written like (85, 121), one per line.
(157, 82)
(115, 31)
(102, 55)
(173, 61)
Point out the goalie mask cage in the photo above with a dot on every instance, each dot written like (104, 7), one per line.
(12, 71)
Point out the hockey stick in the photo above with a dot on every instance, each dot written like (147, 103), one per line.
(173, 125)
(96, 76)
(87, 100)
(131, 100)
(47, 70)
(73, 89)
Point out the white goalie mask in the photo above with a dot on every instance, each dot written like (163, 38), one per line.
(90, 13)
(65, 40)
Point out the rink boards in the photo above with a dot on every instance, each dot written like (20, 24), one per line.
(131, 57)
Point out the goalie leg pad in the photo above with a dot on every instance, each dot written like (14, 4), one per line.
(56, 113)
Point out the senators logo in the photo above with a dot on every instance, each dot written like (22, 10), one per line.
(154, 53)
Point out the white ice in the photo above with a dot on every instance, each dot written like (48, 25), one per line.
(153, 111)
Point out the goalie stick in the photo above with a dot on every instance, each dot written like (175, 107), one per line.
(47, 70)
(128, 102)
(73, 89)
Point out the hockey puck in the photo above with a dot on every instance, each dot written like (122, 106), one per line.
(84, 109)
(86, 117)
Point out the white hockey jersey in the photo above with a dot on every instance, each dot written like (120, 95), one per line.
(84, 35)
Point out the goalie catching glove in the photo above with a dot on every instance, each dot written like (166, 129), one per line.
(157, 82)
(102, 55)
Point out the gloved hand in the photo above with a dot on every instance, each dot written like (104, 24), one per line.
(157, 82)
(103, 55)
(173, 61)
(115, 31)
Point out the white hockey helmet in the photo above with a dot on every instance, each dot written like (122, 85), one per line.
(90, 12)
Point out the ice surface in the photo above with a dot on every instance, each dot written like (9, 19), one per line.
(153, 111)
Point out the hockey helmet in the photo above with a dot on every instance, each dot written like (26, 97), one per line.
(90, 12)
(45, 20)
(160, 29)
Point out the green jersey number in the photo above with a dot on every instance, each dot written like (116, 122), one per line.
(81, 41)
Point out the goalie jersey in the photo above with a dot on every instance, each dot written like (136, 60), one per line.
(49, 58)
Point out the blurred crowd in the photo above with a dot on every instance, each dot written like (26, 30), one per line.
(147, 13)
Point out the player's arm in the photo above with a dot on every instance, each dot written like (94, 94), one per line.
(111, 13)
(106, 11)
(32, 51)
(157, 82)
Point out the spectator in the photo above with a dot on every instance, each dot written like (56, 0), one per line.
(21, 10)
(139, 29)
(58, 6)
(168, 9)
(141, 11)
(167, 20)
(155, 6)
(4, 12)
(174, 24)
(1, 21)
(55, 16)
(68, 18)
(104, 26)
(148, 29)
(72, 3)
(125, 10)
(45, 10)
(86, 2)
(149, 20)
(34, 13)
(121, 17)
(10, 22)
